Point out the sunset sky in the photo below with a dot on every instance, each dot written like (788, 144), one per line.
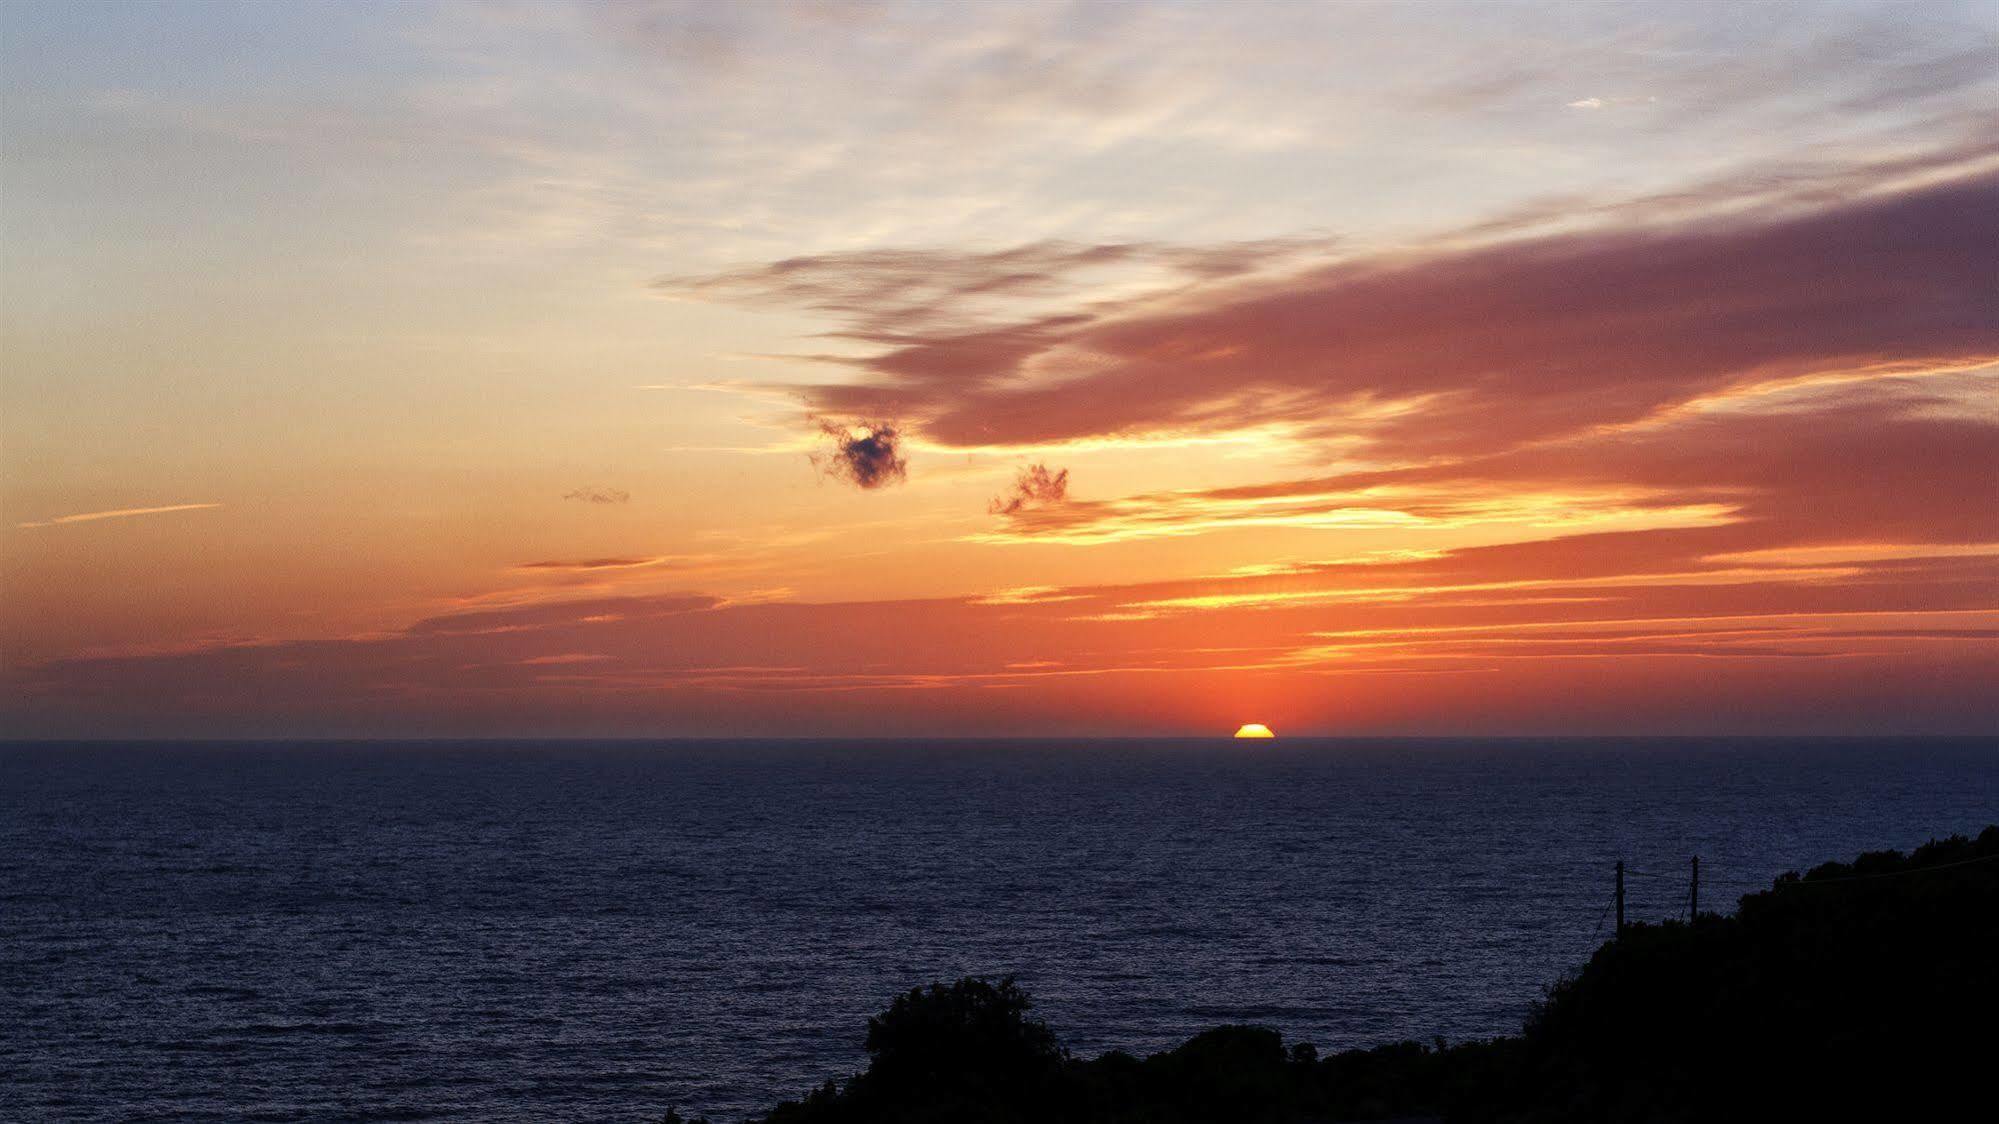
(846, 368)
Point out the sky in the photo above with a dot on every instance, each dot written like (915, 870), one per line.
(876, 369)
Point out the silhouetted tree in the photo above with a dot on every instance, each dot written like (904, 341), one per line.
(963, 1052)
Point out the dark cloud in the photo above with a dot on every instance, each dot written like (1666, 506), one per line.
(1456, 351)
(866, 454)
(1033, 486)
(599, 495)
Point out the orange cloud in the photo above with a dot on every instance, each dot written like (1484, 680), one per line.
(1898, 642)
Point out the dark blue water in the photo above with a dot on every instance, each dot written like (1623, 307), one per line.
(572, 931)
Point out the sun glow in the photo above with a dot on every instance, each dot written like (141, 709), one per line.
(1254, 730)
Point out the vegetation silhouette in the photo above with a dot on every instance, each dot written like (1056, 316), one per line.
(1857, 991)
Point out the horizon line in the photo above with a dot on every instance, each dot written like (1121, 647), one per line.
(647, 739)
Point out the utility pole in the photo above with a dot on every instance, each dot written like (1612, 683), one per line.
(1694, 894)
(1620, 899)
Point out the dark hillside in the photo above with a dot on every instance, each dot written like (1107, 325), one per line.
(1864, 987)
(1863, 990)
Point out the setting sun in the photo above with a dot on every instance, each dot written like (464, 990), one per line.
(1254, 730)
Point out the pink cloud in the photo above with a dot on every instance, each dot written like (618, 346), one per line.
(1476, 349)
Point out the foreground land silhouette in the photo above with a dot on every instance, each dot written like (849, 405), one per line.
(1857, 991)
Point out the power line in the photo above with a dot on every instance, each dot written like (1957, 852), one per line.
(1687, 907)
(1887, 874)
(1597, 931)
(1774, 883)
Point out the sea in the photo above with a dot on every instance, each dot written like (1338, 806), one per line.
(550, 931)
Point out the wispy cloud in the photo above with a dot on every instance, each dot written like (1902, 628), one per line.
(888, 293)
(1609, 103)
(599, 495)
(586, 564)
(119, 513)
